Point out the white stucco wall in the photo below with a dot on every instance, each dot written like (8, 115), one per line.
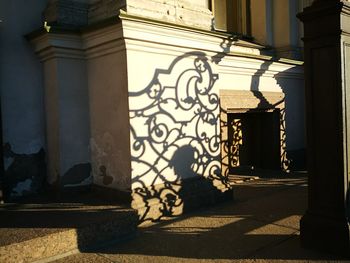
(109, 118)
(21, 77)
(163, 81)
(141, 57)
(174, 118)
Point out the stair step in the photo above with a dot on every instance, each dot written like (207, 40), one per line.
(32, 232)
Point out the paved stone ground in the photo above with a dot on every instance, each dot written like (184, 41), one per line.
(261, 225)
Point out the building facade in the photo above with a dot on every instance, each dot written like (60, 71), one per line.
(156, 100)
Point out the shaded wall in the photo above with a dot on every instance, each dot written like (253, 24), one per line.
(21, 94)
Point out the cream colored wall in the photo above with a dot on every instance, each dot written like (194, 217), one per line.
(109, 116)
(168, 128)
(66, 107)
(52, 121)
(302, 5)
(191, 13)
(154, 89)
(281, 23)
(274, 23)
(162, 61)
(73, 114)
(184, 12)
(258, 21)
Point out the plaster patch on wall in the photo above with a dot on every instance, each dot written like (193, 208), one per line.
(107, 179)
(7, 162)
(104, 149)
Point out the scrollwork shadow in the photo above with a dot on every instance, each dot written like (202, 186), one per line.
(175, 139)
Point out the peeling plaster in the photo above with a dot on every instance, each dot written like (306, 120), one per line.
(78, 175)
(104, 149)
(7, 162)
(22, 188)
(24, 173)
(107, 179)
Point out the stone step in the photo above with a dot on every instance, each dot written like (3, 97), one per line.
(41, 232)
(239, 179)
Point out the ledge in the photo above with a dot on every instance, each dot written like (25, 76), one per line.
(222, 37)
(235, 37)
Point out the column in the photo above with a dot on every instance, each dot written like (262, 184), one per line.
(325, 225)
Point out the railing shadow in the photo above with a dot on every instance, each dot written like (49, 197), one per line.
(176, 160)
(289, 159)
(175, 145)
(261, 224)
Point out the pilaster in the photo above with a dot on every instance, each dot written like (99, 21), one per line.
(285, 28)
(327, 26)
(66, 108)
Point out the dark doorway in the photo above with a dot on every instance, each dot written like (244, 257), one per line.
(254, 141)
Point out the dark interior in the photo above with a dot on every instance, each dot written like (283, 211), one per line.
(260, 140)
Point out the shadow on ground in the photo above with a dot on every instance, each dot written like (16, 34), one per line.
(262, 223)
(92, 218)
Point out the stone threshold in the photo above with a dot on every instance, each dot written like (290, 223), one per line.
(239, 179)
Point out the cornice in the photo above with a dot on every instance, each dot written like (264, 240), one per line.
(62, 43)
(145, 35)
(57, 45)
(250, 67)
(150, 32)
(103, 41)
(239, 39)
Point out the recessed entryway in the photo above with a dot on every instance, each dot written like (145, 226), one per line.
(253, 132)
(254, 140)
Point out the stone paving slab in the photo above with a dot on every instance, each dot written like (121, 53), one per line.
(85, 258)
(261, 225)
(219, 241)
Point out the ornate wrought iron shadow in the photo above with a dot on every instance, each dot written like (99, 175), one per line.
(175, 128)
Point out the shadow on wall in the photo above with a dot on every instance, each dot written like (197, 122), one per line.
(266, 105)
(269, 117)
(176, 162)
(295, 105)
